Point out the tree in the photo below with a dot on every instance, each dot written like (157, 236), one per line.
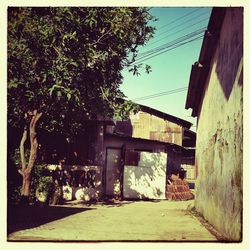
(64, 67)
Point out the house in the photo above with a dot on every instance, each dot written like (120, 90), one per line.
(105, 152)
(152, 131)
(105, 155)
(215, 95)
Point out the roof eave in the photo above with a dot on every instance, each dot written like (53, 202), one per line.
(200, 70)
(166, 116)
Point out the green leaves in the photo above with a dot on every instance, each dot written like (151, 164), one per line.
(55, 86)
(29, 94)
(68, 96)
(135, 69)
(91, 19)
(124, 108)
(13, 83)
(148, 69)
(73, 63)
(68, 37)
(68, 61)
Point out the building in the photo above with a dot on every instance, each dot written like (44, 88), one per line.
(153, 124)
(151, 130)
(102, 154)
(215, 95)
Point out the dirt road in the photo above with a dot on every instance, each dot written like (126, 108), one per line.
(123, 221)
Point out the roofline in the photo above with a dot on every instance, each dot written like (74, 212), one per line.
(166, 144)
(200, 69)
(166, 116)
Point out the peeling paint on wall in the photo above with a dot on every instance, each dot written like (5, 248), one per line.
(219, 147)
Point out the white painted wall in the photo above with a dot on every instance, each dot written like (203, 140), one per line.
(148, 179)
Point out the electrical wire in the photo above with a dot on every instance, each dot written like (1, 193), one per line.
(143, 55)
(179, 18)
(160, 94)
(184, 28)
(185, 22)
(188, 38)
(171, 43)
(176, 45)
(179, 45)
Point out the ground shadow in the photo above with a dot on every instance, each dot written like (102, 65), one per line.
(108, 202)
(20, 218)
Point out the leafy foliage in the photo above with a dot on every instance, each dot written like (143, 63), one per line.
(14, 180)
(67, 62)
(39, 179)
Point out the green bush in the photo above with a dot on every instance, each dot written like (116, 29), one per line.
(44, 189)
(40, 179)
(14, 179)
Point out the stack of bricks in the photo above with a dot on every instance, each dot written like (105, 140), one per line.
(179, 190)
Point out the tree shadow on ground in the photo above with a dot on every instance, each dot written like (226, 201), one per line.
(20, 217)
(109, 202)
(105, 202)
(120, 203)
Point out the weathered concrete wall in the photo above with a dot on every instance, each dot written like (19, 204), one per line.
(219, 134)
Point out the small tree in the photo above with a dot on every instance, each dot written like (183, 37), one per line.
(64, 67)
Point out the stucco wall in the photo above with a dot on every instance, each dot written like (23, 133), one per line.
(148, 179)
(219, 134)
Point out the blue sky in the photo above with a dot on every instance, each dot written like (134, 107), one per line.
(170, 70)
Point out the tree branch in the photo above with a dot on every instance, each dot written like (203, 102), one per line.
(106, 98)
(102, 36)
(20, 172)
(33, 140)
(21, 147)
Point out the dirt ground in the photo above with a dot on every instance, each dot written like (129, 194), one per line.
(109, 221)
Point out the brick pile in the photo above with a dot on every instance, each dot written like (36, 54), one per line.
(178, 190)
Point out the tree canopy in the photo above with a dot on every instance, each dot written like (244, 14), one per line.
(66, 62)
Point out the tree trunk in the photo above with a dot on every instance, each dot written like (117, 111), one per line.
(25, 188)
(27, 168)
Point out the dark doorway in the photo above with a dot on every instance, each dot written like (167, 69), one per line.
(113, 172)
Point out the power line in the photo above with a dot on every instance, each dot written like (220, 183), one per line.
(160, 94)
(167, 48)
(140, 56)
(146, 55)
(184, 28)
(171, 43)
(179, 45)
(186, 36)
(179, 18)
(191, 19)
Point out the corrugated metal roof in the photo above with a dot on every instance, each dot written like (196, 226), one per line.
(166, 144)
(166, 116)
